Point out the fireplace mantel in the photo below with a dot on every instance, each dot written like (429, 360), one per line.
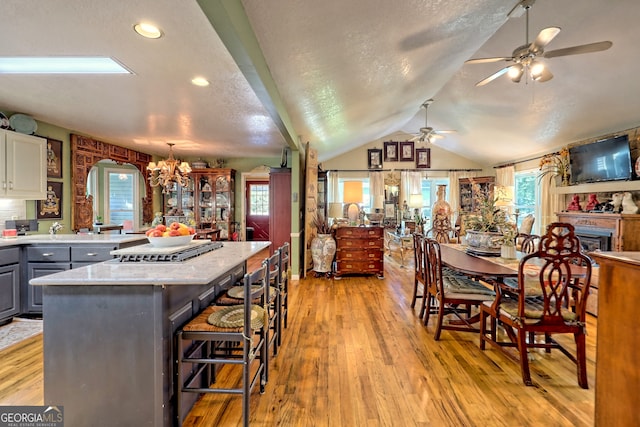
(625, 229)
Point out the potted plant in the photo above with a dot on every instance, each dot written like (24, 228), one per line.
(484, 226)
(508, 241)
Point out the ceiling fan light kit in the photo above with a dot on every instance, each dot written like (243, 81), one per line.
(526, 58)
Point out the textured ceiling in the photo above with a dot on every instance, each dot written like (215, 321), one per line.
(338, 74)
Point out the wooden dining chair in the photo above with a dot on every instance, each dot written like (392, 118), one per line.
(451, 294)
(442, 231)
(419, 273)
(530, 243)
(549, 297)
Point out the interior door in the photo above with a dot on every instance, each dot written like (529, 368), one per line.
(257, 211)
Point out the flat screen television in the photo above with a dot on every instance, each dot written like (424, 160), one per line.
(605, 160)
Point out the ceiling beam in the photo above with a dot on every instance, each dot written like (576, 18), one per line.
(229, 20)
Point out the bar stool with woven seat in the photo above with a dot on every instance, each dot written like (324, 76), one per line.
(225, 335)
(283, 293)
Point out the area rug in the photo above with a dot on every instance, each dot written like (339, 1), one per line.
(19, 329)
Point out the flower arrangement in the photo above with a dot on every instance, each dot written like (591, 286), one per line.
(556, 164)
(55, 227)
(509, 233)
(487, 216)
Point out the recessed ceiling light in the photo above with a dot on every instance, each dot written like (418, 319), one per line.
(147, 30)
(61, 65)
(200, 81)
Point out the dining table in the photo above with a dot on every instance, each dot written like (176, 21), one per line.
(458, 257)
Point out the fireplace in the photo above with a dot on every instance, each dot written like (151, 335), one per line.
(592, 239)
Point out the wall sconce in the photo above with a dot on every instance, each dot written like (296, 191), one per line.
(352, 193)
(166, 172)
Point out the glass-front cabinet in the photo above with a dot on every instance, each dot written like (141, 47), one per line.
(210, 204)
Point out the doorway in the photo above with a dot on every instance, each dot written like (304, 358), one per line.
(257, 210)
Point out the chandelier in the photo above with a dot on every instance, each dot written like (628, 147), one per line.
(169, 171)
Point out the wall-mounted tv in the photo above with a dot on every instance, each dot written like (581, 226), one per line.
(605, 160)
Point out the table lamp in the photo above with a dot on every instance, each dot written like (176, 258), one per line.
(352, 194)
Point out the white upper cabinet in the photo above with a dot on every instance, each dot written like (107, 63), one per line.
(23, 166)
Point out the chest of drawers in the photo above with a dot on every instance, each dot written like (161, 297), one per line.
(360, 250)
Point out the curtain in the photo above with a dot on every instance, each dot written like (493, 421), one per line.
(333, 189)
(506, 176)
(550, 203)
(410, 183)
(376, 190)
(454, 191)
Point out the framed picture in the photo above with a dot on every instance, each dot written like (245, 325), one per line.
(374, 158)
(389, 210)
(391, 151)
(51, 207)
(423, 157)
(406, 151)
(54, 158)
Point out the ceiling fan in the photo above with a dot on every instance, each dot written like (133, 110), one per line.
(427, 133)
(525, 57)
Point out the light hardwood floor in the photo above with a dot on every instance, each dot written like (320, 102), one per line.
(355, 354)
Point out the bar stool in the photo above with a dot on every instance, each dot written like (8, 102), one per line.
(220, 335)
(284, 289)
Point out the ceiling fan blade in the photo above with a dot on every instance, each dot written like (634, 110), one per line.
(492, 76)
(576, 50)
(487, 60)
(544, 38)
(439, 132)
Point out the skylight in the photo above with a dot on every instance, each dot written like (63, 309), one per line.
(60, 65)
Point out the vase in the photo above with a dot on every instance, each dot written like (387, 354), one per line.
(508, 252)
(484, 241)
(323, 249)
(441, 209)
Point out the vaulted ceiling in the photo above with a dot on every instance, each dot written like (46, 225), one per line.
(336, 73)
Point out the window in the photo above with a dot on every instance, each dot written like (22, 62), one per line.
(429, 193)
(121, 196)
(527, 195)
(258, 199)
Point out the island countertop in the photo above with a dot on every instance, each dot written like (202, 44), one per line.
(70, 239)
(196, 271)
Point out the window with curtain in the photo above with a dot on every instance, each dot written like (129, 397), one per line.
(526, 194)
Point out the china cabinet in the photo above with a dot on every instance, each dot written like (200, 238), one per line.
(469, 193)
(207, 202)
(23, 166)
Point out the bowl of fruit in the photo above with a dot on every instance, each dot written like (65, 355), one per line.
(176, 234)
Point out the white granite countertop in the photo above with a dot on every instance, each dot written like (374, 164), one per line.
(70, 238)
(196, 271)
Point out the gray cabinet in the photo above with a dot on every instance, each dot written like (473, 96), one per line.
(44, 259)
(9, 283)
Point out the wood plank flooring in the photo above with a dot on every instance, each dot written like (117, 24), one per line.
(355, 354)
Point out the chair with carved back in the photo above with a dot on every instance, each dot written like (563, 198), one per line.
(548, 298)
(442, 231)
(530, 244)
(419, 274)
(450, 294)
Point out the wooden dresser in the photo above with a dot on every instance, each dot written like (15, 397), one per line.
(360, 250)
(617, 373)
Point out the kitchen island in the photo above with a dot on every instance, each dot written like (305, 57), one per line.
(109, 327)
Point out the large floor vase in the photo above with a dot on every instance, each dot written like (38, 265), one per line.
(484, 241)
(323, 249)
